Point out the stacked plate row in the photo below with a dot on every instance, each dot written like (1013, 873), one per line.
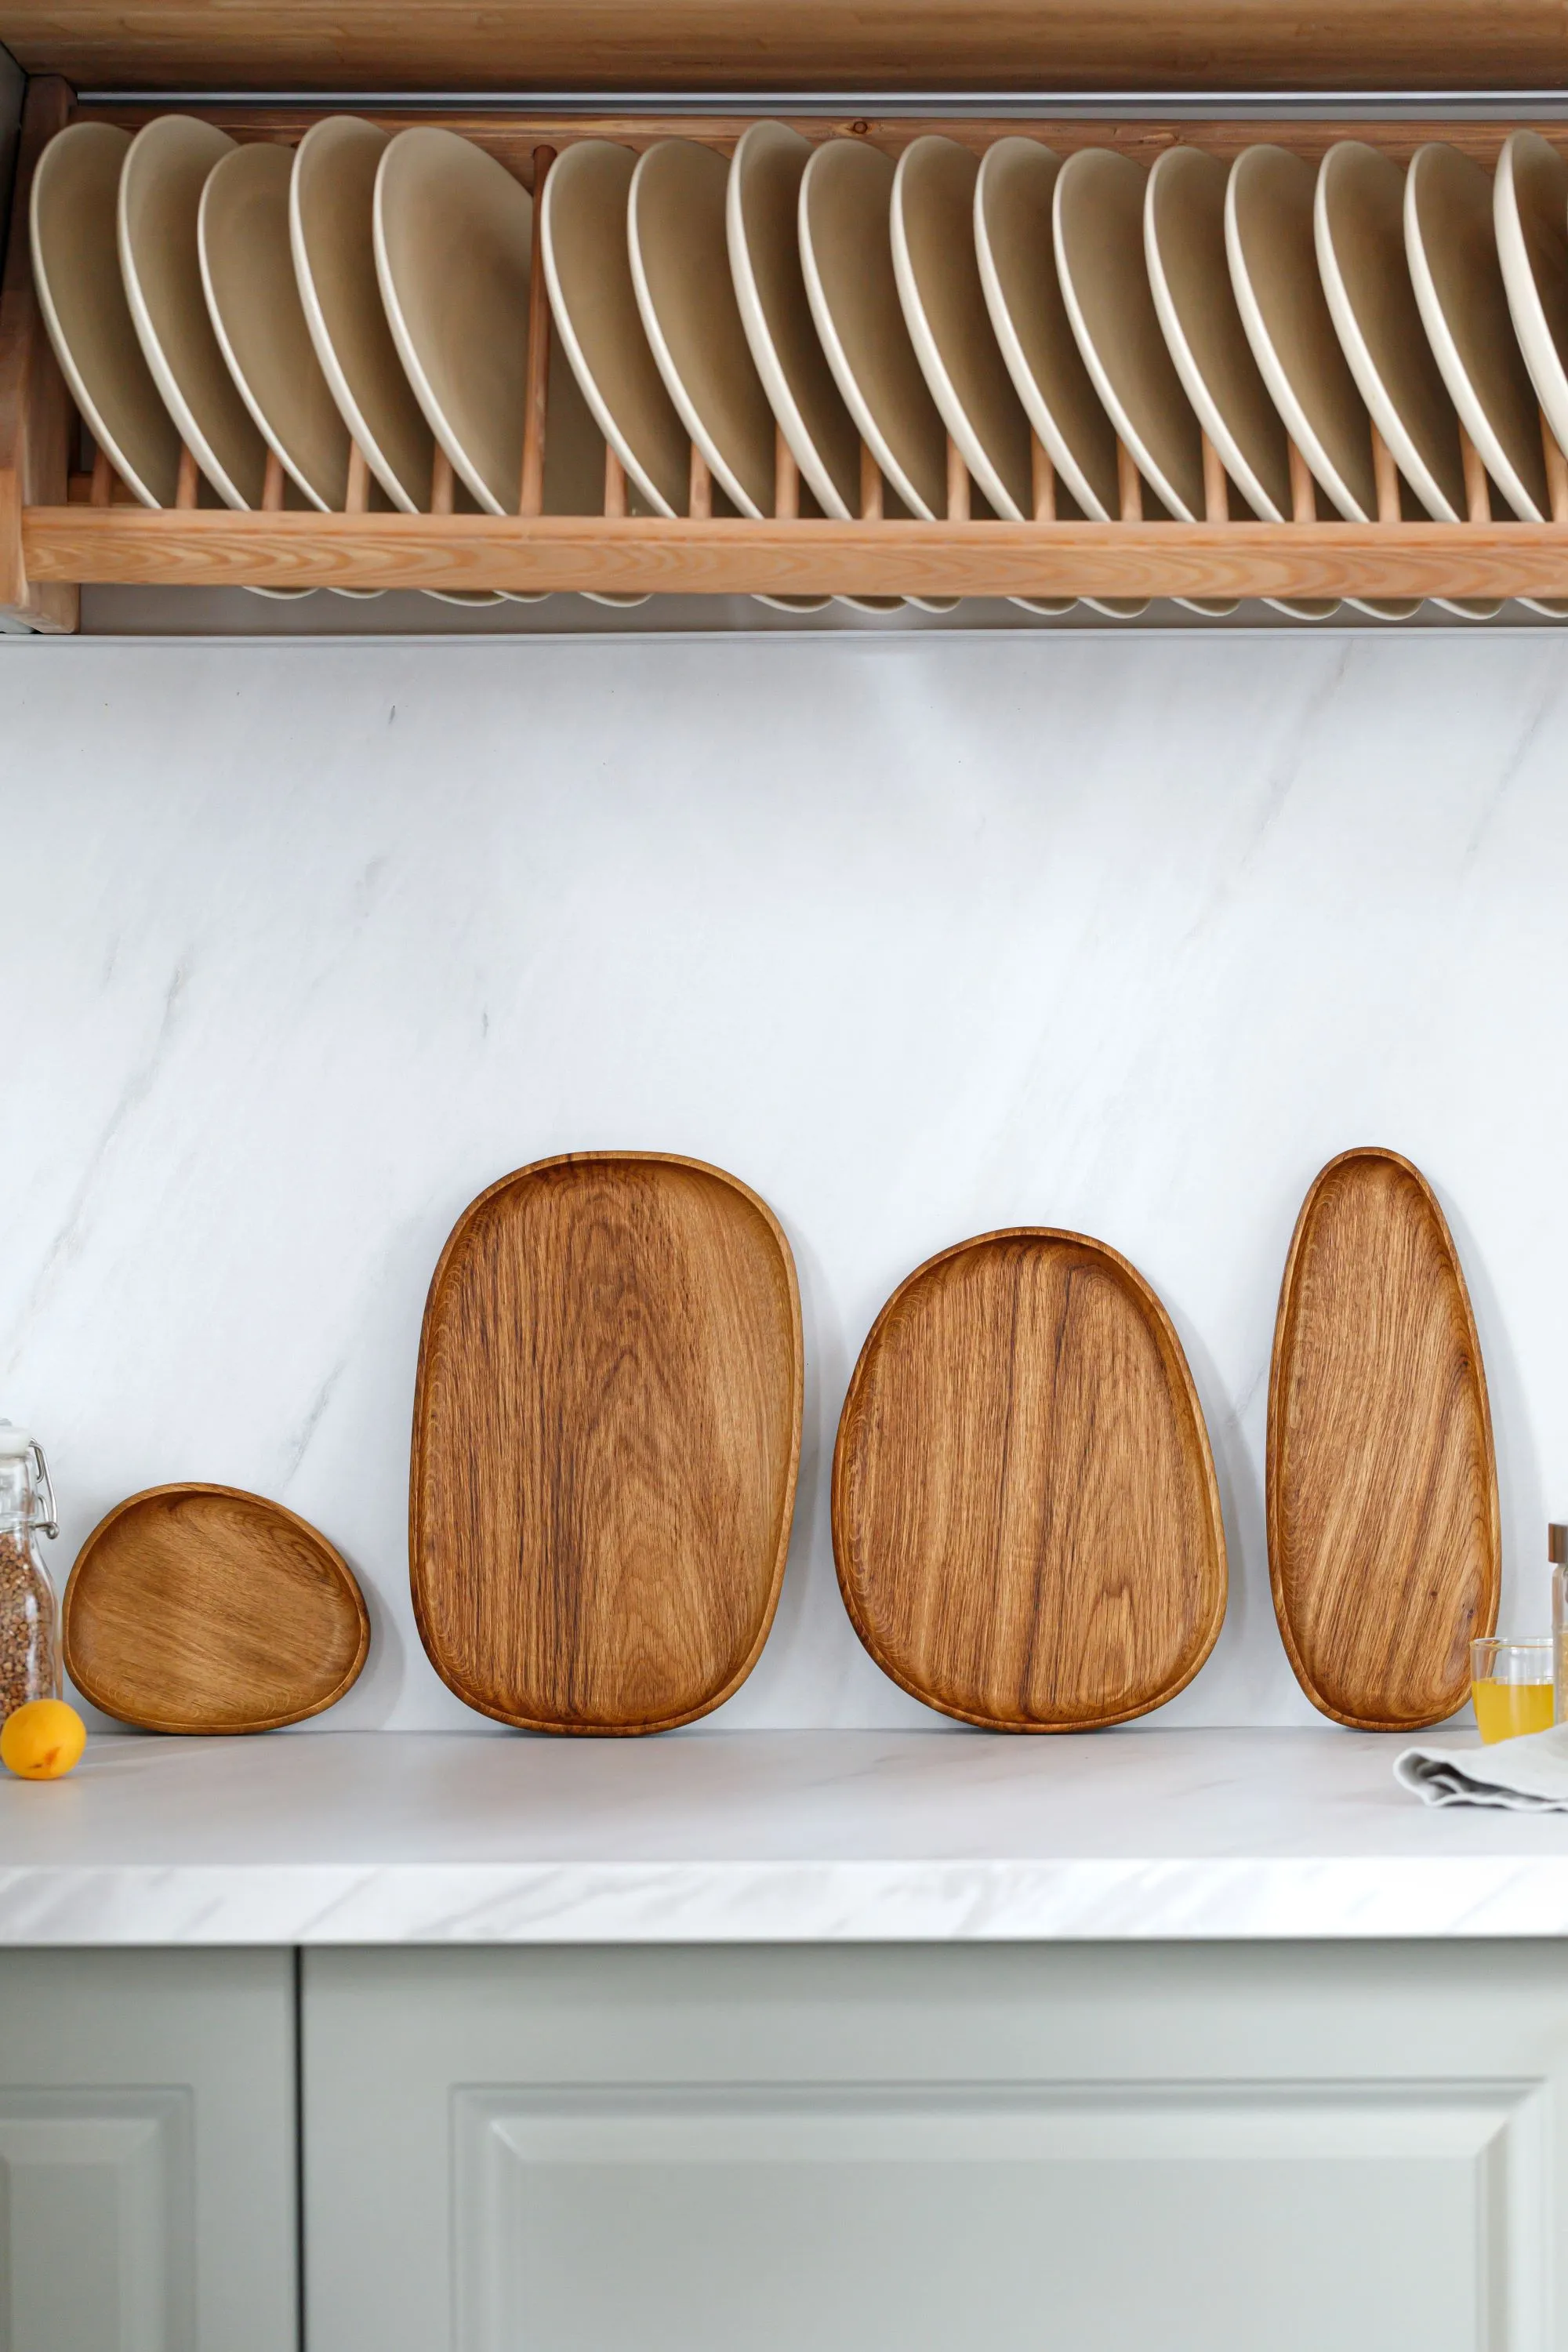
(814, 329)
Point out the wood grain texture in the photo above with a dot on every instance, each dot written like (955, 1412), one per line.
(805, 44)
(35, 410)
(1025, 1520)
(204, 1608)
(214, 548)
(1384, 1550)
(607, 1432)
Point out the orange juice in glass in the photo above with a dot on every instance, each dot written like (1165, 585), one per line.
(1511, 1685)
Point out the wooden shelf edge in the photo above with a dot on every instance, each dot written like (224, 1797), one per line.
(206, 549)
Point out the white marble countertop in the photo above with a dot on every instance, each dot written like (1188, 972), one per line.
(434, 1837)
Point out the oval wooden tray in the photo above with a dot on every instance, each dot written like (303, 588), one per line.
(205, 1608)
(1025, 1520)
(1384, 1550)
(606, 1432)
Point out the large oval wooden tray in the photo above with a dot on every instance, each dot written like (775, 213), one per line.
(1384, 1549)
(205, 1608)
(607, 1432)
(1025, 1518)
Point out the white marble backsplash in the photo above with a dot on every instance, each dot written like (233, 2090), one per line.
(308, 942)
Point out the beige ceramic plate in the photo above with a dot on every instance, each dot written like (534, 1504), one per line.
(761, 207)
(160, 184)
(1358, 222)
(587, 263)
(253, 300)
(938, 276)
(1450, 241)
(1268, 239)
(680, 257)
(76, 270)
(1096, 219)
(1184, 244)
(847, 257)
(1529, 213)
(1016, 258)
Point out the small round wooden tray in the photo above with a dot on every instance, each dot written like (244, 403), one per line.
(1025, 1518)
(204, 1608)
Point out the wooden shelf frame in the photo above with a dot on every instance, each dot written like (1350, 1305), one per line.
(60, 531)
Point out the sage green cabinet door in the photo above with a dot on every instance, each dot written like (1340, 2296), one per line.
(1156, 2150)
(148, 2152)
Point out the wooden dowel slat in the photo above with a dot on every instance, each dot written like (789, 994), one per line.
(102, 491)
(1303, 488)
(786, 479)
(700, 490)
(1216, 484)
(272, 484)
(443, 483)
(188, 481)
(1130, 485)
(957, 483)
(614, 485)
(356, 498)
(1042, 481)
(870, 486)
(536, 395)
(1556, 471)
(1386, 476)
(1477, 487)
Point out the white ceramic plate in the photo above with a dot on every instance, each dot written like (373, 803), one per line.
(1530, 213)
(1450, 241)
(1096, 221)
(1184, 243)
(847, 258)
(1017, 256)
(76, 271)
(1269, 244)
(762, 205)
(678, 250)
(1358, 222)
(938, 276)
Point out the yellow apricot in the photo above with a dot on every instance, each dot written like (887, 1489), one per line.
(42, 1739)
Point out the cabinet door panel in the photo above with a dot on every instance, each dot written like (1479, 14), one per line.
(895, 2151)
(148, 2161)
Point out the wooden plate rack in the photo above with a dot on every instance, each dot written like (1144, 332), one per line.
(61, 527)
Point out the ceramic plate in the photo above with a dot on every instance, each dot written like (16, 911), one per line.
(587, 262)
(1269, 239)
(252, 300)
(1096, 219)
(679, 255)
(847, 257)
(1530, 213)
(1184, 244)
(938, 278)
(160, 184)
(1358, 222)
(1450, 241)
(761, 207)
(76, 269)
(1017, 256)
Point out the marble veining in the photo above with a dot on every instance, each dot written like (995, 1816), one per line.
(770, 1837)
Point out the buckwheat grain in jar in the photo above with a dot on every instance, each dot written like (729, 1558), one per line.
(29, 1618)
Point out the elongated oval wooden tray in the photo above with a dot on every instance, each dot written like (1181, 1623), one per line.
(607, 1432)
(1384, 1549)
(1025, 1520)
(198, 1607)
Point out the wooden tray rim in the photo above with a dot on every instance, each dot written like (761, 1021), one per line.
(1175, 1357)
(417, 1451)
(1284, 1321)
(233, 1495)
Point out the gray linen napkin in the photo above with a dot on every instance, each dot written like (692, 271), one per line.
(1522, 1776)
